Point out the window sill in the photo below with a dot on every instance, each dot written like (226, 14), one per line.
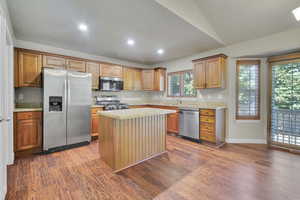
(247, 121)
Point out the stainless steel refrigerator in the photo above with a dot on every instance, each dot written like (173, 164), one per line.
(67, 102)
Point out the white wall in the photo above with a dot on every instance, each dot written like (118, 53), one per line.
(238, 131)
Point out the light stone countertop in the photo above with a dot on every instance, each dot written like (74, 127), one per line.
(27, 109)
(97, 106)
(135, 113)
(204, 105)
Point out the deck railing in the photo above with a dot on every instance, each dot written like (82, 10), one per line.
(286, 126)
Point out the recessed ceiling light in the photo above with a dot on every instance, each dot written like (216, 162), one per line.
(160, 51)
(130, 42)
(82, 27)
(296, 13)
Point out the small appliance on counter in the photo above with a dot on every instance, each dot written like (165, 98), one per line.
(110, 84)
(110, 102)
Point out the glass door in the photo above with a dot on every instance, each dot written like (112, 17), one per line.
(285, 104)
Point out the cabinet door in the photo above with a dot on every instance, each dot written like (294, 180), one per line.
(128, 78)
(94, 125)
(108, 70)
(148, 79)
(95, 121)
(76, 65)
(54, 62)
(214, 73)
(199, 75)
(30, 67)
(137, 79)
(160, 79)
(94, 69)
(117, 71)
(28, 134)
(173, 123)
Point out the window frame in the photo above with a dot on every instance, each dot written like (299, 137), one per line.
(181, 73)
(238, 64)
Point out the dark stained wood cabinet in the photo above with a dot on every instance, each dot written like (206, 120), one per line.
(28, 68)
(27, 131)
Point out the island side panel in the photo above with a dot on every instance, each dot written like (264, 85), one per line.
(139, 139)
(106, 140)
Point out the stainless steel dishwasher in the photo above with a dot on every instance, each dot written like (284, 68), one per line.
(189, 123)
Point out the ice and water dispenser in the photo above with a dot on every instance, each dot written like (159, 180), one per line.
(55, 104)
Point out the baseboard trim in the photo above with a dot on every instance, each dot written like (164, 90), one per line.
(246, 141)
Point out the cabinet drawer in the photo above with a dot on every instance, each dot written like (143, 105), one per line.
(209, 138)
(207, 112)
(29, 115)
(207, 127)
(207, 119)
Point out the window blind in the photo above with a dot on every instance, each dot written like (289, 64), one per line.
(248, 90)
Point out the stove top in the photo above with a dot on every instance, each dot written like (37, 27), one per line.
(110, 103)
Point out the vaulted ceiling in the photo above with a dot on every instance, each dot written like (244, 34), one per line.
(180, 27)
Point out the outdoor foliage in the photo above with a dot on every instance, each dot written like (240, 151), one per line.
(286, 86)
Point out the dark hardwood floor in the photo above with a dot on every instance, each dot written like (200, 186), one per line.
(187, 171)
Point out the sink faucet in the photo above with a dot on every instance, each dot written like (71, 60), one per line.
(179, 101)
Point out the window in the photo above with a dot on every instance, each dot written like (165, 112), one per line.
(248, 90)
(180, 84)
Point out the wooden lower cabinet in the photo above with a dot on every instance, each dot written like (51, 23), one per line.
(95, 122)
(212, 125)
(27, 131)
(173, 123)
(172, 119)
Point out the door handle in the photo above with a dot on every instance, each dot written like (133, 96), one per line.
(8, 119)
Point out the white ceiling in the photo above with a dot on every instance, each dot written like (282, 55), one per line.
(180, 27)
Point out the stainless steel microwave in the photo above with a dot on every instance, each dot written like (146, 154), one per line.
(111, 84)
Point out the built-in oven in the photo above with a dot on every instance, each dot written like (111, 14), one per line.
(110, 84)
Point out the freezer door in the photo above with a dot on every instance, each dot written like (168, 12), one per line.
(79, 104)
(55, 128)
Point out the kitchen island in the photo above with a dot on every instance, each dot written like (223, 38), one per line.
(131, 136)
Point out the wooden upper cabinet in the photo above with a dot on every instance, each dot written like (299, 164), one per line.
(28, 69)
(54, 62)
(209, 72)
(108, 70)
(214, 73)
(137, 79)
(128, 78)
(160, 79)
(94, 69)
(148, 79)
(199, 75)
(27, 130)
(76, 65)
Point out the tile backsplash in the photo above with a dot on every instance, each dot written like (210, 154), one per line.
(33, 97)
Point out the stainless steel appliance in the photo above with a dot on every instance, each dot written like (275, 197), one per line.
(110, 102)
(67, 101)
(189, 123)
(111, 84)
